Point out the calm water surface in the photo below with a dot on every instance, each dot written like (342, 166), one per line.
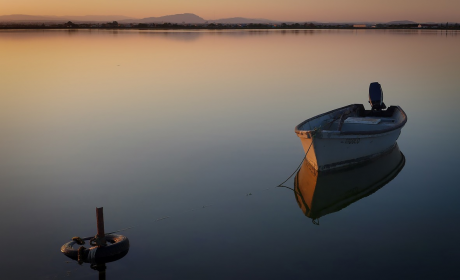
(154, 124)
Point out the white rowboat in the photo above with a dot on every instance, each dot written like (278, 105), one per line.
(350, 134)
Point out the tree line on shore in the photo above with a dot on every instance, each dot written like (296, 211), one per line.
(167, 25)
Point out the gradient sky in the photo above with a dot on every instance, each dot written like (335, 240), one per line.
(299, 10)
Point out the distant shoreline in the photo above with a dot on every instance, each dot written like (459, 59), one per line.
(213, 28)
(224, 26)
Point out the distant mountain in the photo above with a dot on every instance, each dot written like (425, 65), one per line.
(30, 18)
(241, 20)
(98, 18)
(178, 18)
(402, 22)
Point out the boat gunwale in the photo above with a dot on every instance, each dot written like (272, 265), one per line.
(359, 132)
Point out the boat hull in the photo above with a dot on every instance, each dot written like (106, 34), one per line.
(342, 146)
(344, 150)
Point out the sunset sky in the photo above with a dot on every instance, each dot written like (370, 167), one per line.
(295, 10)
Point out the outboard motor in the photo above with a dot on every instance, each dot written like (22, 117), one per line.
(376, 97)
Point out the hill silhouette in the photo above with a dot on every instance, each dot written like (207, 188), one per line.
(240, 20)
(178, 18)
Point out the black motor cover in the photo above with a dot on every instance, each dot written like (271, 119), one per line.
(376, 96)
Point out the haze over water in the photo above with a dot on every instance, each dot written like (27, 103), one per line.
(153, 124)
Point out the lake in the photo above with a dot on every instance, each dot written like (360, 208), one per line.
(184, 136)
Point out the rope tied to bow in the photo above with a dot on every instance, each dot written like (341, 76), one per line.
(313, 134)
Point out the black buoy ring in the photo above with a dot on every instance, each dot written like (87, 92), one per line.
(117, 247)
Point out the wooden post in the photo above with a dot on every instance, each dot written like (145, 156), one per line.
(100, 222)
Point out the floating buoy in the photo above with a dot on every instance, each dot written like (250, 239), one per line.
(116, 248)
(105, 247)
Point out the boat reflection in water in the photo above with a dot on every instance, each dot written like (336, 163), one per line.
(322, 193)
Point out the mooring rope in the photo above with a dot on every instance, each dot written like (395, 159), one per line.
(119, 230)
(313, 134)
(298, 167)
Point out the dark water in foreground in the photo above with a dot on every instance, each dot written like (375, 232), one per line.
(198, 127)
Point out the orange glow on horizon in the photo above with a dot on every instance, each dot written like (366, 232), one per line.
(289, 10)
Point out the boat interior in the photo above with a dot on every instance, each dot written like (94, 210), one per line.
(364, 120)
(355, 117)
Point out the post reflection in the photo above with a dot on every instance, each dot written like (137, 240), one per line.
(322, 193)
(101, 268)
